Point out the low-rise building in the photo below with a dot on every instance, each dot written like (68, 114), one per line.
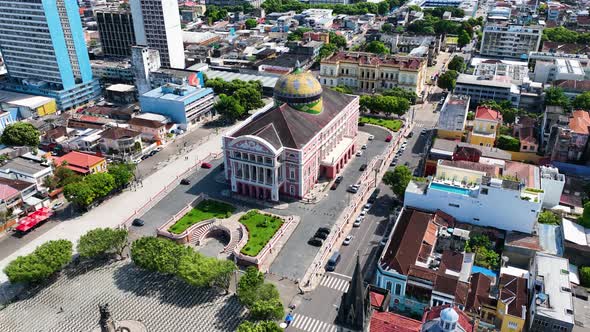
(151, 126)
(547, 71)
(552, 182)
(482, 88)
(82, 163)
(22, 106)
(26, 170)
(370, 72)
(418, 269)
(569, 143)
(121, 94)
(116, 140)
(113, 71)
(453, 115)
(551, 304)
(183, 104)
(485, 126)
(512, 303)
(472, 193)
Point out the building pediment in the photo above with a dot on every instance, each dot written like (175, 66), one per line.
(254, 145)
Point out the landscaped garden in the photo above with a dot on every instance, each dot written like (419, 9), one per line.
(205, 210)
(391, 124)
(261, 228)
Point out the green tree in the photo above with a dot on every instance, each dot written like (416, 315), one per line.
(415, 8)
(457, 64)
(47, 259)
(271, 309)
(584, 220)
(79, 193)
(487, 258)
(398, 180)
(585, 276)
(195, 269)
(158, 254)
(20, 134)
(382, 8)
(102, 242)
(101, 183)
(377, 47)
(387, 28)
(251, 23)
(582, 101)
(326, 50)
(121, 173)
(298, 34)
(550, 218)
(229, 107)
(249, 97)
(447, 80)
(64, 176)
(560, 34)
(386, 104)
(248, 285)
(411, 96)
(508, 143)
(556, 97)
(337, 40)
(343, 89)
(464, 39)
(263, 326)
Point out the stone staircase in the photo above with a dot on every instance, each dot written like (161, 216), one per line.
(200, 233)
(236, 236)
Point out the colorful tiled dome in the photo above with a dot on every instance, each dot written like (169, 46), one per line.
(300, 90)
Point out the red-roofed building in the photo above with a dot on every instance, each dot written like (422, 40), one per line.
(82, 163)
(446, 318)
(392, 322)
(485, 126)
(569, 144)
(370, 72)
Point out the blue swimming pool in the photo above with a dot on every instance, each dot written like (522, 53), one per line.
(447, 188)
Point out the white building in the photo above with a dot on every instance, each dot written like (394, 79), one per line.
(552, 182)
(474, 196)
(509, 40)
(26, 170)
(482, 88)
(144, 61)
(558, 69)
(157, 25)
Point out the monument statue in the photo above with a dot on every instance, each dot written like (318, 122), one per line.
(106, 321)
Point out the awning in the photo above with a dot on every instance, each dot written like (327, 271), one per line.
(34, 219)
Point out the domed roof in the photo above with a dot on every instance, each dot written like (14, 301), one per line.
(449, 315)
(297, 85)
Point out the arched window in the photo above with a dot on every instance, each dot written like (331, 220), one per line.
(389, 286)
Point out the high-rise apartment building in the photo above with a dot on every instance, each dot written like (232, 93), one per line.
(157, 25)
(115, 27)
(144, 61)
(510, 40)
(44, 50)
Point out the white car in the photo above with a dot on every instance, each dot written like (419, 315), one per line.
(363, 213)
(357, 222)
(371, 137)
(364, 147)
(57, 205)
(368, 206)
(359, 153)
(347, 240)
(136, 161)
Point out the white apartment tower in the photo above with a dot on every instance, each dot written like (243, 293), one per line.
(157, 25)
(510, 40)
(144, 60)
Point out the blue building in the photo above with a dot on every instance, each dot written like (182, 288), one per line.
(43, 46)
(423, 263)
(184, 104)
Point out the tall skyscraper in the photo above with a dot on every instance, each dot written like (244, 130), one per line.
(44, 50)
(157, 25)
(115, 27)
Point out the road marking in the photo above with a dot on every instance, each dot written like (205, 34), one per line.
(340, 274)
(335, 283)
(308, 324)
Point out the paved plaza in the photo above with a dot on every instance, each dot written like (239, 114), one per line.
(162, 303)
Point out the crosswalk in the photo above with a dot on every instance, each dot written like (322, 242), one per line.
(336, 283)
(308, 324)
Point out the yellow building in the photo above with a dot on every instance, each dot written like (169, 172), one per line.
(82, 163)
(453, 115)
(485, 126)
(26, 105)
(511, 310)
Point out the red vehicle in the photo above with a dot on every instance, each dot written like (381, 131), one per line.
(388, 138)
(206, 165)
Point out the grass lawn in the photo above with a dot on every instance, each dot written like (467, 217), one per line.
(207, 209)
(391, 124)
(261, 228)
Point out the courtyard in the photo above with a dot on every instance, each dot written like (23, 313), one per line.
(162, 303)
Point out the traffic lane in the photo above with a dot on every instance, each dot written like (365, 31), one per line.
(297, 255)
(321, 304)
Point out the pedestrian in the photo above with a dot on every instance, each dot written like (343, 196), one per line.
(60, 310)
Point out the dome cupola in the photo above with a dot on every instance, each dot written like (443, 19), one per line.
(300, 90)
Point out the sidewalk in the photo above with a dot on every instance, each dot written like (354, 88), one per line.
(122, 208)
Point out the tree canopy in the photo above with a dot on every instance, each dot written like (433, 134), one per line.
(327, 50)
(411, 96)
(236, 98)
(398, 180)
(230, 107)
(584, 220)
(20, 134)
(549, 218)
(439, 11)
(387, 28)
(457, 64)
(158, 254)
(47, 259)
(251, 23)
(122, 173)
(508, 143)
(101, 242)
(447, 80)
(564, 35)
(464, 39)
(582, 101)
(377, 47)
(485, 255)
(385, 104)
(556, 97)
(337, 40)
(262, 299)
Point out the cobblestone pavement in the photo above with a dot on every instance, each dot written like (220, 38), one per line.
(162, 303)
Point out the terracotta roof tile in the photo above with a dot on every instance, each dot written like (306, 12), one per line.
(392, 322)
(580, 122)
(514, 294)
(486, 113)
(364, 58)
(79, 159)
(479, 292)
(145, 123)
(119, 133)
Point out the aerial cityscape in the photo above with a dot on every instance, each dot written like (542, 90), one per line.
(294, 165)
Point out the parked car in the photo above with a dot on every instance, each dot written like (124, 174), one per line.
(393, 163)
(145, 156)
(314, 241)
(359, 153)
(410, 134)
(347, 240)
(333, 261)
(363, 167)
(206, 165)
(339, 179)
(383, 241)
(136, 161)
(357, 222)
(364, 147)
(371, 137)
(353, 188)
(367, 207)
(137, 222)
(324, 230)
(153, 152)
(334, 186)
(57, 205)
(388, 138)
(407, 164)
(321, 235)
(374, 195)
(424, 131)
(361, 124)
(185, 182)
